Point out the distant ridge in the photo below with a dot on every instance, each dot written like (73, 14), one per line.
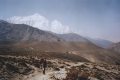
(100, 42)
(115, 47)
(72, 37)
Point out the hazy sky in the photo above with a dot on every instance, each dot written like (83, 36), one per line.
(97, 18)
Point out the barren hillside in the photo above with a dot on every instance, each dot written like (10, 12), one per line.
(86, 50)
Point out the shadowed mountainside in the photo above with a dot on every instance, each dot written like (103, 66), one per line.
(22, 32)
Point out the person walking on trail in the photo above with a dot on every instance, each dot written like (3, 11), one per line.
(41, 61)
(44, 65)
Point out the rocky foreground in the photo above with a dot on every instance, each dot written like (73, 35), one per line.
(28, 68)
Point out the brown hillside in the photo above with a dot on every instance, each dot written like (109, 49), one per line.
(86, 50)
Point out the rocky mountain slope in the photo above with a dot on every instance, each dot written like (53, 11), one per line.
(115, 47)
(22, 32)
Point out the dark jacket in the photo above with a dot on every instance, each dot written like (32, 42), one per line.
(44, 63)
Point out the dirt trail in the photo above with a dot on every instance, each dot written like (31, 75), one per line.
(50, 75)
(54, 74)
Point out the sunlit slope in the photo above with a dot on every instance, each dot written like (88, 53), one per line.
(86, 50)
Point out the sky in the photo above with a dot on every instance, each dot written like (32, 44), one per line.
(96, 18)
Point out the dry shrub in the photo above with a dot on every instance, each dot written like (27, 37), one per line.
(12, 67)
(62, 66)
(75, 74)
(83, 76)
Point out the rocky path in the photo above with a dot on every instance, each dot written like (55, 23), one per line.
(59, 74)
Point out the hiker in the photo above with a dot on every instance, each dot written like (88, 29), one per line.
(41, 61)
(44, 65)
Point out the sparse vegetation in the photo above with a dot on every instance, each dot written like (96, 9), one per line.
(85, 72)
(26, 65)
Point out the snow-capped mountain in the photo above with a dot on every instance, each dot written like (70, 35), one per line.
(42, 23)
(35, 20)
